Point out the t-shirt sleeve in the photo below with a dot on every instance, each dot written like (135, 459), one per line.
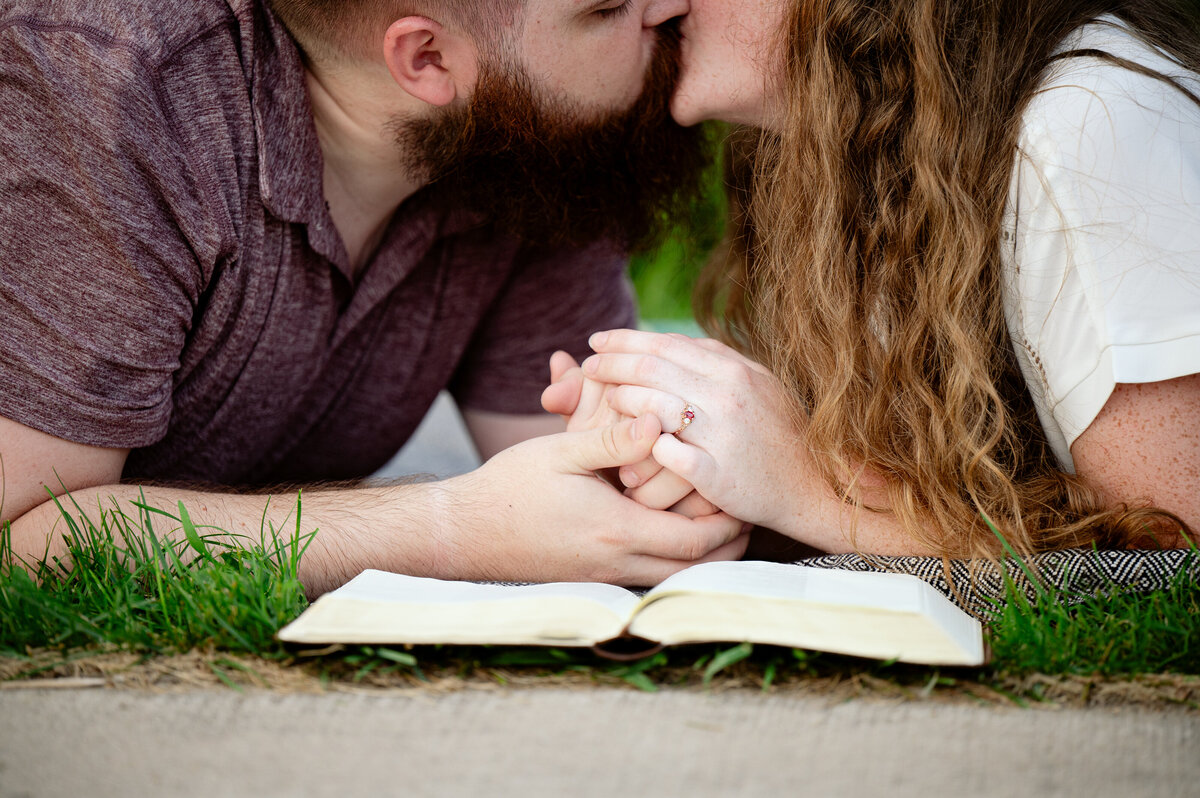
(554, 300)
(98, 283)
(1107, 245)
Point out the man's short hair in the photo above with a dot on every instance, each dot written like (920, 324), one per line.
(354, 28)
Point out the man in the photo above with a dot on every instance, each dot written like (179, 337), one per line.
(247, 245)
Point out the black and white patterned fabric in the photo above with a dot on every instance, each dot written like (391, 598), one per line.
(1074, 575)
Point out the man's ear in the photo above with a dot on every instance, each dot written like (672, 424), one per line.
(430, 62)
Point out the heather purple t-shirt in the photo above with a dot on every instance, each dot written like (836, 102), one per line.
(171, 280)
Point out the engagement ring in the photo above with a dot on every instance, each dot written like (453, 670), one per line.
(685, 419)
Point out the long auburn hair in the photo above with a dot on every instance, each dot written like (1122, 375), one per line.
(863, 264)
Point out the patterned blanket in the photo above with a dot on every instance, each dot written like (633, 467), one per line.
(1074, 574)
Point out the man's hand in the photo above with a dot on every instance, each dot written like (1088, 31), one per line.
(538, 511)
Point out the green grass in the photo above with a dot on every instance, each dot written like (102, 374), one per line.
(1126, 633)
(128, 593)
(128, 590)
(663, 279)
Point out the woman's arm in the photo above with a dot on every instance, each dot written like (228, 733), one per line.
(1145, 446)
(743, 452)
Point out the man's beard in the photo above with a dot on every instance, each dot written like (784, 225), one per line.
(541, 171)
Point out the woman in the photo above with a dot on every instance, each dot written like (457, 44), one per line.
(966, 248)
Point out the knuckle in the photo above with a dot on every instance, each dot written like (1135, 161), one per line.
(645, 366)
(648, 468)
(611, 447)
(619, 397)
(722, 348)
(687, 464)
(618, 339)
(738, 372)
(692, 549)
(661, 345)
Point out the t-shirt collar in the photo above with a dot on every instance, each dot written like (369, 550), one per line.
(289, 153)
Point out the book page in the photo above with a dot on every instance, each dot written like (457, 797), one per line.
(790, 581)
(877, 615)
(381, 607)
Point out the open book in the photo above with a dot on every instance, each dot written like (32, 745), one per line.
(879, 615)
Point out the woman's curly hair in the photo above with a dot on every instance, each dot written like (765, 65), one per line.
(864, 264)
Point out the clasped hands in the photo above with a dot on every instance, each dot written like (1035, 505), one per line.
(739, 455)
(538, 511)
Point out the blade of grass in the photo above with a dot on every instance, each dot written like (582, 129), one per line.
(726, 658)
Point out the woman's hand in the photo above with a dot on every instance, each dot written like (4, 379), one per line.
(741, 451)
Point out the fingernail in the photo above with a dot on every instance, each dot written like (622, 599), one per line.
(598, 340)
(635, 430)
(746, 527)
(591, 365)
(629, 478)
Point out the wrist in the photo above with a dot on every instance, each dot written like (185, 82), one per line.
(464, 519)
(413, 530)
(809, 511)
(443, 536)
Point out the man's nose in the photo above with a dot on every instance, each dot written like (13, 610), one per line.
(659, 11)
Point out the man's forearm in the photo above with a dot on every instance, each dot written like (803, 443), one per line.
(534, 512)
(394, 528)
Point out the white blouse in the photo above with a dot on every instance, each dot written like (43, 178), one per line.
(1102, 231)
